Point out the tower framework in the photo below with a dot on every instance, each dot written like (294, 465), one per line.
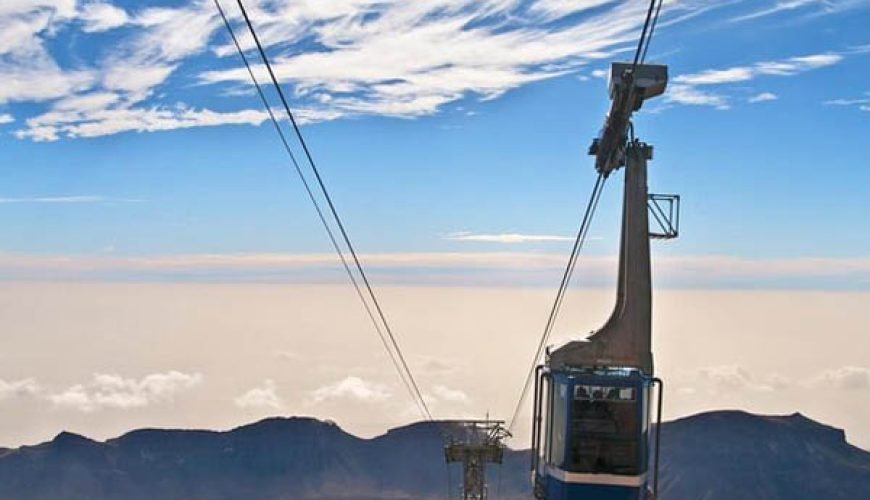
(474, 444)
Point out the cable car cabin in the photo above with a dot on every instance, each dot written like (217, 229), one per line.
(591, 434)
(591, 427)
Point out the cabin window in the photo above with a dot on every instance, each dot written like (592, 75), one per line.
(544, 445)
(605, 431)
(558, 420)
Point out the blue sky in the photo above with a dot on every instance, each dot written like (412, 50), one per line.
(451, 133)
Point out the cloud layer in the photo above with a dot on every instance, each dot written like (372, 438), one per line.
(18, 388)
(522, 268)
(110, 391)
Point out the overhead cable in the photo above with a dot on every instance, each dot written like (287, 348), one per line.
(382, 327)
(582, 232)
(651, 31)
(643, 33)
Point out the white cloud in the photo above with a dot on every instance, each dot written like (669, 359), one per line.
(86, 102)
(18, 388)
(437, 366)
(402, 59)
(505, 237)
(763, 97)
(408, 59)
(39, 80)
(714, 76)
(353, 388)
(553, 9)
(814, 6)
(784, 67)
(261, 397)
(689, 95)
(846, 377)
(445, 393)
(27, 70)
(113, 391)
(99, 98)
(100, 16)
(847, 102)
(137, 79)
(94, 123)
(172, 34)
(55, 199)
(733, 378)
(861, 103)
(685, 89)
(6, 118)
(23, 21)
(286, 355)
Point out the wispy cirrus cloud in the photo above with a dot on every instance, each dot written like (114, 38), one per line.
(782, 67)
(408, 59)
(108, 95)
(75, 199)
(95, 123)
(401, 59)
(694, 88)
(505, 237)
(341, 59)
(860, 103)
(815, 7)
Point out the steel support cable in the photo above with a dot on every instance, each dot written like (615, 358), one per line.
(651, 31)
(582, 232)
(410, 386)
(646, 24)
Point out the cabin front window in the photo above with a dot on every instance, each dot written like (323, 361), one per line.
(604, 430)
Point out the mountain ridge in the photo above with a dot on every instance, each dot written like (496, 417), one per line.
(727, 454)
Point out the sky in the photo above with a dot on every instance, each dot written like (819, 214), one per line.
(137, 162)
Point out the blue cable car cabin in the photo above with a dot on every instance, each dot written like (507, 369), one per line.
(591, 435)
(592, 404)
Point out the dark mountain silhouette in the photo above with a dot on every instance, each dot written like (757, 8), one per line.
(720, 455)
(732, 455)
